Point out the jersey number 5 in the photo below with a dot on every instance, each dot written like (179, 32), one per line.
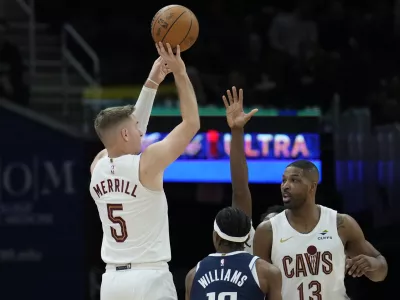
(222, 296)
(314, 287)
(118, 237)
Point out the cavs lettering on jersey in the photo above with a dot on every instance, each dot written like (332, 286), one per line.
(134, 219)
(230, 276)
(312, 264)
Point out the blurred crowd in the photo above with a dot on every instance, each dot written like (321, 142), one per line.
(11, 69)
(286, 54)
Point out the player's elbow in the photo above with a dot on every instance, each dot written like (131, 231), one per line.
(192, 125)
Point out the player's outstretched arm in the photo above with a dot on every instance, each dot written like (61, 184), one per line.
(144, 103)
(189, 282)
(236, 119)
(262, 243)
(270, 279)
(160, 155)
(364, 258)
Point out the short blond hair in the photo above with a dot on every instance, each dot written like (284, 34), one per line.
(111, 117)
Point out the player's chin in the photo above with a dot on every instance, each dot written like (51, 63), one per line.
(287, 202)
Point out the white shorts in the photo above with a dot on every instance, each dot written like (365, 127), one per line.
(138, 284)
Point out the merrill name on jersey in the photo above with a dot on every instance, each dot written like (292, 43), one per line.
(227, 275)
(115, 185)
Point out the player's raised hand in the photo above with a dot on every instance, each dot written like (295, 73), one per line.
(174, 61)
(159, 70)
(361, 264)
(235, 115)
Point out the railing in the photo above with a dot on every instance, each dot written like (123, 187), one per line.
(367, 165)
(29, 9)
(68, 59)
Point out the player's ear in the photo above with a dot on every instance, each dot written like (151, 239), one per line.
(314, 186)
(124, 134)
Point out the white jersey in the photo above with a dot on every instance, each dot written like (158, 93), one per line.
(312, 264)
(134, 219)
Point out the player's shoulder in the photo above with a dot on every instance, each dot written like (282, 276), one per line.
(265, 226)
(345, 221)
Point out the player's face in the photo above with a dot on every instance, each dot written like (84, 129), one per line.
(294, 188)
(132, 135)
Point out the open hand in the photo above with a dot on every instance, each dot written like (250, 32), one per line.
(359, 265)
(159, 71)
(235, 115)
(174, 61)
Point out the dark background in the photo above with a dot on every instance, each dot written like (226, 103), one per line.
(49, 226)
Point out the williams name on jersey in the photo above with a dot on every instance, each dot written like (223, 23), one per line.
(227, 276)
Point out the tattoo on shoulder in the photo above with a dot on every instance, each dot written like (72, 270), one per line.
(268, 226)
(340, 221)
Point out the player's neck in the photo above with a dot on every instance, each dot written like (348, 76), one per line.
(306, 212)
(225, 250)
(115, 152)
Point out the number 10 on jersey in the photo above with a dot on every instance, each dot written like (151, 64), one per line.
(222, 296)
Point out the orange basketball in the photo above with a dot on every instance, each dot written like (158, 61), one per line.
(176, 25)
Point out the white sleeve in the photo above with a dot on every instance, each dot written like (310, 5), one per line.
(143, 107)
(250, 241)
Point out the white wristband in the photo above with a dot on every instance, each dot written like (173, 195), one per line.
(153, 81)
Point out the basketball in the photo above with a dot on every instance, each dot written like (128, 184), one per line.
(176, 25)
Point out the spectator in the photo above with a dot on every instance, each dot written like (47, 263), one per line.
(291, 31)
(11, 69)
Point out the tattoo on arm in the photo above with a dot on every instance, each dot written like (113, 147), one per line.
(268, 226)
(340, 221)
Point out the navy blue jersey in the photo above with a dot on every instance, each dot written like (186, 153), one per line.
(230, 276)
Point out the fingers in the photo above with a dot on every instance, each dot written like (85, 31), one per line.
(357, 266)
(230, 98)
(251, 114)
(158, 49)
(166, 50)
(241, 97)
(169, 48)
(235, 95)
(225, 101)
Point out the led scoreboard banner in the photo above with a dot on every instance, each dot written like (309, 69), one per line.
(206, 159)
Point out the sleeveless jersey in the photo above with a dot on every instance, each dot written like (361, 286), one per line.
(230, 276)
(134, 219)
(312, 264)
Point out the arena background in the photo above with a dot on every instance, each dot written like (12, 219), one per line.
(62, 61)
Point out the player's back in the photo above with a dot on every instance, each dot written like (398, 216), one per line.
(227, 276)
(134, 219)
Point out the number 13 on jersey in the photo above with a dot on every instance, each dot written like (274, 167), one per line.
(222, 296)
(314, 288)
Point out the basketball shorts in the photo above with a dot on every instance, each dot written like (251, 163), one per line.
(138, 284)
